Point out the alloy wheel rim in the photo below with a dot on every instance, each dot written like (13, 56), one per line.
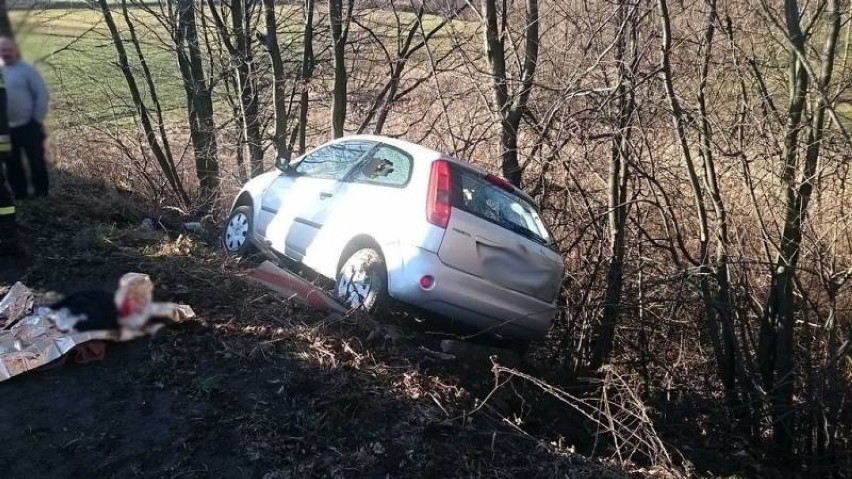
(236, 232)
(354, 287)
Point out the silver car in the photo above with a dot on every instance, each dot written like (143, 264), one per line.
(387, 219)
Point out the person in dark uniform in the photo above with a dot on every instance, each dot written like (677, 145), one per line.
(8, 226)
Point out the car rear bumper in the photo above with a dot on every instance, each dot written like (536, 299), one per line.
(469, 299)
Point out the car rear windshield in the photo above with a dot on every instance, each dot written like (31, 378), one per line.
(473, 193)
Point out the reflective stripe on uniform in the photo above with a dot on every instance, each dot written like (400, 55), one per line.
(5, 138)
(5, 147)
(7, 210)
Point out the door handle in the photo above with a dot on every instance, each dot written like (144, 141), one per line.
(325, 196)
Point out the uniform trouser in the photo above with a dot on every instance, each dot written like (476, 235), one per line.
(27, 140)
(8, 229)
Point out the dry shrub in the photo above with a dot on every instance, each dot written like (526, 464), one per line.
(618, 418)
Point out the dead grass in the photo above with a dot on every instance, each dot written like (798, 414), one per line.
(291, 392)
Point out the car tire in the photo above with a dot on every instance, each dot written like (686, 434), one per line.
(362, 282)
(236, 235)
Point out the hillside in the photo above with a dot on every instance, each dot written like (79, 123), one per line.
(257, 387)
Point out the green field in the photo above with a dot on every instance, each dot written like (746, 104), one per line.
(79, 62)
(78, 59)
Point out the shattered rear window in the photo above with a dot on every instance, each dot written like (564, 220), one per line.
(477, 196)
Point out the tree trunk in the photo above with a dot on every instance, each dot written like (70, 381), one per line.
(728, 354)
(776, 352)
(496, 54)
(279, 81)
(509, 148)
(825, 442)
(307, 72)
(717, 312)
(149, 81)
(338, 38)
(618, 177)
(230, 85)
(246, 82)
(389, 97)
(507, 110)
(199, 104)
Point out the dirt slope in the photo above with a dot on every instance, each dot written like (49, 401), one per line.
(257, 388)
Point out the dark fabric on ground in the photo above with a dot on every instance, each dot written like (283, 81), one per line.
(98, 307)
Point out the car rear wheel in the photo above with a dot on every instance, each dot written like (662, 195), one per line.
(362, 282)
(237, 231)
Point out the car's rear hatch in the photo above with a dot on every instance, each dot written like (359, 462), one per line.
(495, 233)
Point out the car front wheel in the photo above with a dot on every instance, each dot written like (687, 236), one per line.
(237, 231)
(362, 281)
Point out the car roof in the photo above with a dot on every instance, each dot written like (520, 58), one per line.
(422, 151)
(418, 150)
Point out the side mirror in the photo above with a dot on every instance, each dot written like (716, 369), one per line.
(282, 164)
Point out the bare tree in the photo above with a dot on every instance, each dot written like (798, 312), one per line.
(776, 347)
(236, 37)
(393, 91)
(165, 162)
(626, 63)
(717, 310)
(199, 102)
(279, 80)
(339, 22)
(149, 82)
(509, 106)
(307, 72)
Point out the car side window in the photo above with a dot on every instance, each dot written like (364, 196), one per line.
(386, 165)
(333, 161)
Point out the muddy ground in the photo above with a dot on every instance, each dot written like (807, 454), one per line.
(257, 387)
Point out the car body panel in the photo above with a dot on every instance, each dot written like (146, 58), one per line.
(482, 249)
(466, 298)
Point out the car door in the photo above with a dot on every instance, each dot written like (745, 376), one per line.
(370, 200)
(304, 207)
(277, 211)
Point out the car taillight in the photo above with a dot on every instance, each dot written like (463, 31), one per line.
(438, 199)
